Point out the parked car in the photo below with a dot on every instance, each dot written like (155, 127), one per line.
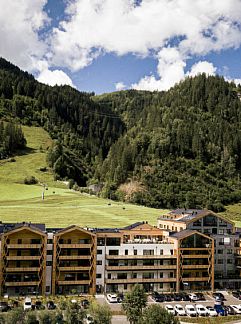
(51, 305)
(218, 296)
(190, 310)
(200, 296)
(170, 309)
(177, 297)
(85, 303)
(120, 297)
(4, 307)
(230, 310)
(157, 297)
(27, 304)
(112, 298)
(184, 296)
(193, 297)
(211, 311)
(39, 305)
(220, 310)
(167, 298)
(201, 310)
(236, 308)
(236, 294)
(179, 310)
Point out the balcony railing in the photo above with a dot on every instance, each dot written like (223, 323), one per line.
(26, 257)
(139, 280)
(75, 257)
(22, 269)
(75, 246)
(141, 267)
(196, 266)
(21, 283)
(24, 246)
(67, 268)
(74, 282)
(195, 279)
(195, 256)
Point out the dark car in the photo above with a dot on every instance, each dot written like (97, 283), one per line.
(218, 295)
(200, 296)
(85, 303)
(120, 297)
(229, 310)
(167, 297)
(157, 297)
(184, 296)
(15, 304)
(236, 294)
(51, 305)
(220, 310)
(177, 297)
(4, 307)
(39, 305)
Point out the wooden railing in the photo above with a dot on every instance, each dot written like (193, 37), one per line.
(139, 280)
(128, 257)
(75, 246)
(22, 283)
(141, 267)
(22, 269)
(74, 282)
(74, 257)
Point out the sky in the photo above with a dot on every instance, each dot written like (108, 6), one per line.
(109, 45)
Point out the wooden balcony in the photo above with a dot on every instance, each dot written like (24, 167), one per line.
(74, 257)
(136, 267)
(195, 256)
(196, 266)
(75, 246)
(195, 279)
(139, 257)
(21, 283)
(23, 269)
(87, 268)
(26, 257)
(139, 280)
(74, 282)
(24, 246)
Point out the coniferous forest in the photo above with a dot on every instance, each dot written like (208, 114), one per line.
(179, 148)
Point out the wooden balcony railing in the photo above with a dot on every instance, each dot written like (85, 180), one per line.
(75, 246)
(140, 257)
(74, 257)
(26, 257)
(195, 256)
(21, 283)
(22, 269)
(195, 279)
(86, 268)
(74, 282)
(196, 266)
(24, 246)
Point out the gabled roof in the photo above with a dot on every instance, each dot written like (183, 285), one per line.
(72, 228)
(25, 226)
(185, 233)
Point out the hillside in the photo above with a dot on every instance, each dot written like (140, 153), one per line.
(179, 148)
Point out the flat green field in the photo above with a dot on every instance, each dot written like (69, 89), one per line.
(61, 206)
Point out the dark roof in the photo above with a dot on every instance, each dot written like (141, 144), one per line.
(6, 227)
(130, 227)
(182, 234)
(187, 214)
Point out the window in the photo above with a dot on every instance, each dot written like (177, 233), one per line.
(113, 252)
(161, 274)
(49, 241)
(134, 275)
(49, 252)
(35, 241)
(19, 241)
(221, 231)
(220, 261)
(171, 251)
(99, 251)
(148, 252)
(229, 251)
(18, 252)
(99, 262)
(47, 288)
(171, 275)
(229, 261)
(48, 263)
(161, 285)
(109, 275)
(220, 251)
(98, 275)
(135, 252)
(161, 252)
(126, 252)
(125, 286)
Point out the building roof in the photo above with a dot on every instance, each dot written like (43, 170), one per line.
(185, 233)
(6, 227)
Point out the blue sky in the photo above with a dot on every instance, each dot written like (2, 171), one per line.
(109, 45)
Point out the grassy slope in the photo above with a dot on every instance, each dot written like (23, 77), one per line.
(61, 207)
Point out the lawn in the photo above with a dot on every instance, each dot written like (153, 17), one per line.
(61, 206)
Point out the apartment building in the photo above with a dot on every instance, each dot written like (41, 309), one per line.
(227, 258)
(76, 260)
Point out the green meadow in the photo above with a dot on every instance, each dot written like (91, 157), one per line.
(61, 206)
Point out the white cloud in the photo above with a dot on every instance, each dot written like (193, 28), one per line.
(202, 67)
(20, 21)
(56, 77)
(120, 86)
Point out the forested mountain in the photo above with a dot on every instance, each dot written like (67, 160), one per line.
(179, 148)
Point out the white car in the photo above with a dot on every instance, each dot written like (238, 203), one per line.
(201, 310)
(27, 304)
(193, 297)
(211, 311)
(112, 298)
(236, 308)
(190, 310)
(170, 309)
(179, 310)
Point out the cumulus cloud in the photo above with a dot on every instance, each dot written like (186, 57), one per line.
(20, 21)
(202, 67)
(120, 86)
(56, 77)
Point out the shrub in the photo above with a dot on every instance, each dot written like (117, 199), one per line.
(30, 180)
